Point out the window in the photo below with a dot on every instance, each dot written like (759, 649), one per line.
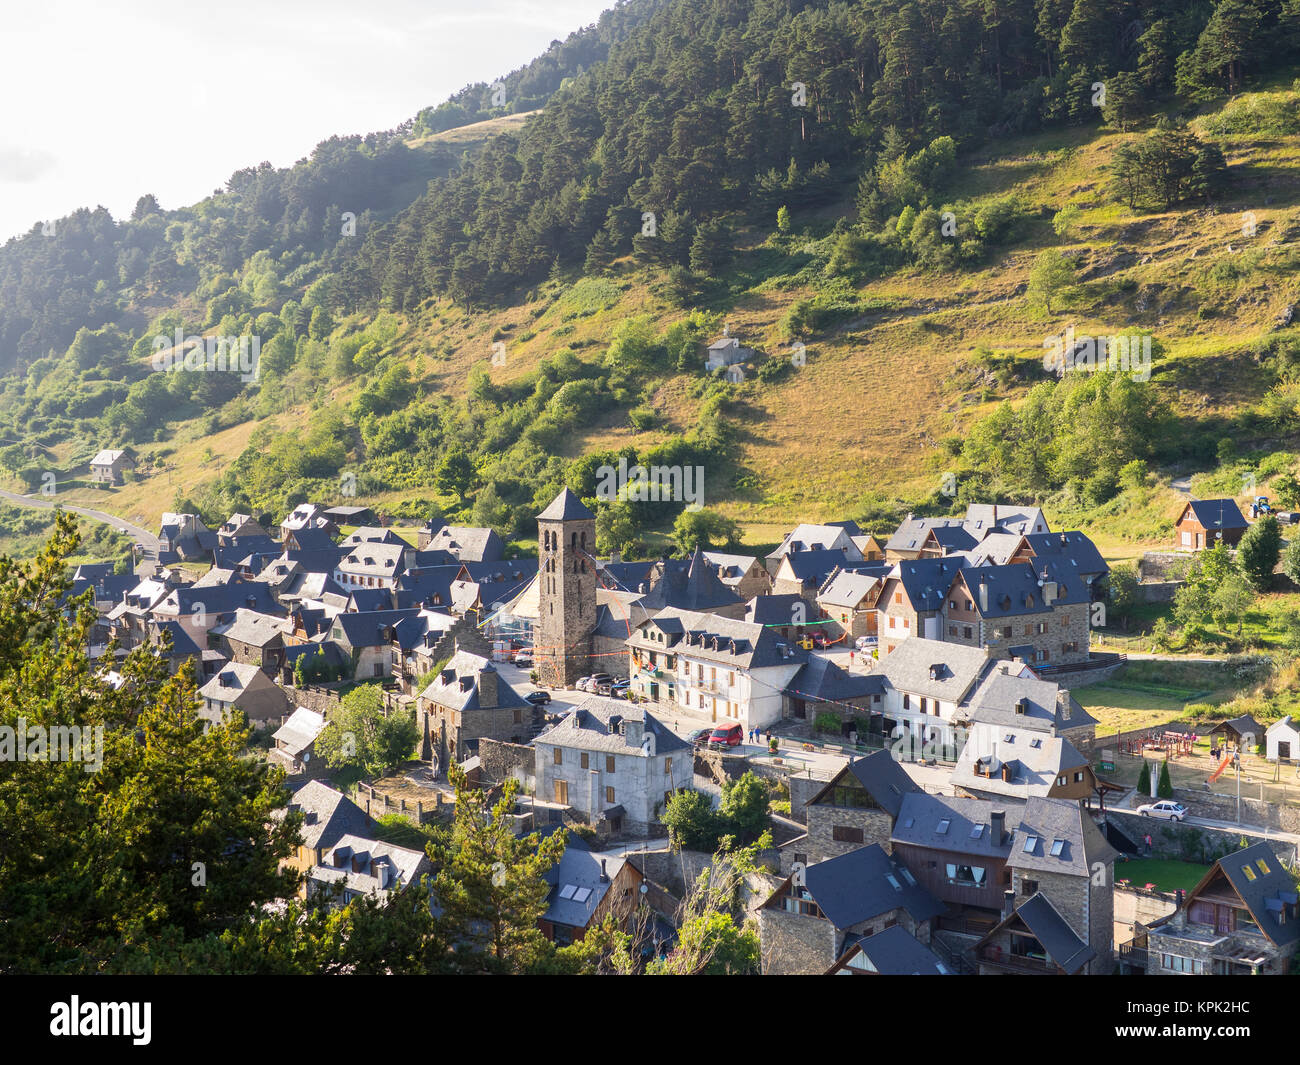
(609, 794)
(965, 631)
(609, 763)
(584, 759)
(668, 767)
(562, 792)
(907, 702)
(1078, 777)
(1062, 781)
(519, 716)
(1177, 964)
(1250, 873)
(967, 875)
(1262, 866)
(559, 756)
(846, 834)
(1027, 886)
(898, 597)
(1058, 845)
(952, 630)
(1031, 842)
(942, 827)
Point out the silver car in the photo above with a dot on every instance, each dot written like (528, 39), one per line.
(1167, 808)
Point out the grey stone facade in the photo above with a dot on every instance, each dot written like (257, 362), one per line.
(566, 620)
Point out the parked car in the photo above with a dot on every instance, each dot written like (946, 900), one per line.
(1168, 809)
(862, 643)
(599, 683)
(727, 736)
(523, 658)
(700, 737)
(583, 684)
(820, 640)
(619, 688)
(538, 698)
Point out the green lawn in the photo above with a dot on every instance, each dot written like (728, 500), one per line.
(1167, 876)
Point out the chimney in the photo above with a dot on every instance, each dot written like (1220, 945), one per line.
(995, 513)
(1022, 704)
(997, 821)
(1006, 772)
(984, 596)
(633, 731)
(1008, 903)
(487, 688)
(604, 877)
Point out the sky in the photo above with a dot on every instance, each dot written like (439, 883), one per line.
(110, 99)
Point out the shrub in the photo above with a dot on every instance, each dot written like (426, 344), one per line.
(1144, 779)
(1165, 789)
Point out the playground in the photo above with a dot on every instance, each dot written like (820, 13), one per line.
(1196, 760)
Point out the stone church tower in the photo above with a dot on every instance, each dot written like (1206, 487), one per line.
(566, 618)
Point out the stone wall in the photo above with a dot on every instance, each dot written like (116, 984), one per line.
(676, 871)
(501, 760)
(1164, 566)
(1187, 843)
(321, 700)
(793, 944)
(1089, 909)
(1254, 813)
(1134, 904)
(379, 804)
(875, 825)
(1158, 591)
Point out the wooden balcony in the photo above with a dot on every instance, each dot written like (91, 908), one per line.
(995, 955)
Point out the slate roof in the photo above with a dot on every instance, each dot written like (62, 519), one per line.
(586, 727)
(1076, 550)
(713, 638)
(230, 682)
(182, 642)
(1275, 886)
(1218, 513)
(373, 534)
(952, 538)
(809, 537)
(374, 560)
(312, 538)
(846, 588)
(994, 702)
(896, 952)
(884, 779)
(908, 668)
(566, 507)
(689, 585)
(367, 630)
(467, 543)
(300, 731)
(369, 600)
(330, 814)
(777, 609)
(220, 599)
(106, 457)
(813, 566)
(250, 627)
(927, 580)
(1061, 942)
(921, 816)
(401, 866)
(821, 679)
(457, 685)
(1044, 822)
(1013, 518)
(626, 576)
(1014, 590)
(1036, 762)
(579, 869)
(865, 883)
(911, 533)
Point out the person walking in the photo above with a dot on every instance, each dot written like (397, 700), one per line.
(1147, 841)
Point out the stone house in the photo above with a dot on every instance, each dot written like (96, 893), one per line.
(465, 543)
(1242, 918)
(613, 763)
(847, 602)
(1034, 939)
(1031, 611)
(243, 687)
(368, 638)
(726, 351)
(1205, 522)
(295, 742)
(372, 565)
(467, 701)
(253, 638)
(910, 600)
(856, 808)
(110, 467)
(819, 911)
(1059, 853)
(744, 575)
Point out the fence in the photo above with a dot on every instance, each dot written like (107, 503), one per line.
(1191, 776)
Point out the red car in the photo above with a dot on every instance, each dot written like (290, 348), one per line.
(727, 736)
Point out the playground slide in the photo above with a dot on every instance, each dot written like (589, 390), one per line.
(1226, 762)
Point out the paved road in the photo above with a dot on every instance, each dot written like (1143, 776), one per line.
(142, 536)
(1132, 800)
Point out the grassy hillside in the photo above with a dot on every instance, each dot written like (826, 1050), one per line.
(898, 373)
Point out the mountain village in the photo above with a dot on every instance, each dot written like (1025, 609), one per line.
(942, 803)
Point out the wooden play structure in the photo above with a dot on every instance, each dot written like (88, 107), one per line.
(1171, 744)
